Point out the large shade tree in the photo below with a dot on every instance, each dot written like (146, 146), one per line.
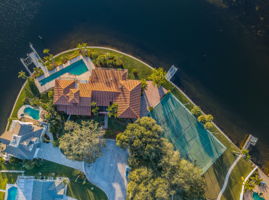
(142, 138)
(158, 172)
(82, 141)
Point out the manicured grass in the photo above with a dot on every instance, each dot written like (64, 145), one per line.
(69, 56)
(76, 188)
(216, 174)
(29, 90)
(131, 64)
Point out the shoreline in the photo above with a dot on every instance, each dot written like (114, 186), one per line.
(10, 116)
(139, 60)
(228, 155)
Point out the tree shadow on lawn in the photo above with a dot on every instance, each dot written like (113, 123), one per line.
(216, 174)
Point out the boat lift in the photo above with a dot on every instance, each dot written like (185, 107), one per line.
(171, 72)
(33, 58)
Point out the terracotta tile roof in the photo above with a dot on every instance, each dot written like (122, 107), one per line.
(84, 90)
(130, 84)
(105, 86)
(62, 87)
(129, 99)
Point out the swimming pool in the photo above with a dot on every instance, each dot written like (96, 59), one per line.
(34, 113)
(12, 193)
(257, 197)
(76, 68)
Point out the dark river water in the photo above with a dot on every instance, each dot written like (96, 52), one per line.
(223, 67)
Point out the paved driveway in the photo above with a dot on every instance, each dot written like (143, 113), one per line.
(108, 172)
(48, 152)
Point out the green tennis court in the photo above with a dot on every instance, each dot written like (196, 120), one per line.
(192, 140)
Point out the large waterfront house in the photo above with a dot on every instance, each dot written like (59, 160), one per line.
(21, 140)
(104, 87)
(29, 188)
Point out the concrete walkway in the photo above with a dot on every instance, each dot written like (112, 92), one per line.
(108, 172)
(2, 190)
(48, 152)
(228, 176)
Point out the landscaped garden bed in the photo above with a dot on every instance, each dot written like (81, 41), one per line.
(137, 70)
(78, 187)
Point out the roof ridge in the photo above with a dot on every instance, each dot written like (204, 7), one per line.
(129, 108)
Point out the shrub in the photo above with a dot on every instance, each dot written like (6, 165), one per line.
(205, 118)
(150, 108)
(196, 111)
(209, 126)
(51, 66)
(112, 110)
(158, 77)
(144, 85)
(109, 61)
(202, 119)
(37, 72)
(93, 54)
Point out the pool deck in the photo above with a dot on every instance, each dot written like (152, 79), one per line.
(21, 113)
(83, 77)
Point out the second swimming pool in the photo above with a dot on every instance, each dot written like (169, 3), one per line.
(12, 193)
(34, 113)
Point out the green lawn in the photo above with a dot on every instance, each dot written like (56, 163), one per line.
(216, 174)
(76, 189)
(129, 63)
(29, 90)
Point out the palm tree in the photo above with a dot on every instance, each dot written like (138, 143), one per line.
(158, 76)
(94, 108)
(22, 75)
(63, 59)
(112, 110)
(82, 48)
(46, 51)
(144, 85)
(245, 154)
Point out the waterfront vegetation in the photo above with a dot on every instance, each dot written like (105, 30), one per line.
(158, 172)
(215, 175)
(252, 182)
(28, 91)
(37, 72)
(78, 187)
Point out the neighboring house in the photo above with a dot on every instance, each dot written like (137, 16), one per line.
(22, 140)
(29, 188)
(105, 87)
